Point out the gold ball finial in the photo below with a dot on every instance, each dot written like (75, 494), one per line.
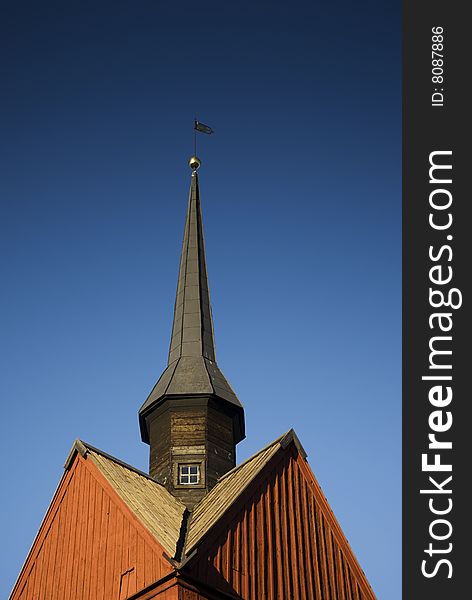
(194, 163)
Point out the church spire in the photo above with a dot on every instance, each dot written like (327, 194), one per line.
(192, 419)
(192, 331)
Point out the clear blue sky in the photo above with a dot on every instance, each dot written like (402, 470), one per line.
(301, 201)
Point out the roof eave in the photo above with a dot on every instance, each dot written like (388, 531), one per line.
(238, 410)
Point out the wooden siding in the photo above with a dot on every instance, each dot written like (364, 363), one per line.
(180, 587)
(149, 501)
(167, 589)
(159, 451)
(227, 491)
(188, 428)
(281, 541)
(220, 444)
(90, 545)
(193, 423)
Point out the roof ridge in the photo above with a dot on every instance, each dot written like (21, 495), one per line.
(121, 463)
(201, 522)
(278, 440)
(266, 447)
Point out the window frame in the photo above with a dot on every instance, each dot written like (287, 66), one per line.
(192, 462)
(189, 474)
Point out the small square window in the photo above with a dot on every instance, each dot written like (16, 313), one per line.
(189, 474)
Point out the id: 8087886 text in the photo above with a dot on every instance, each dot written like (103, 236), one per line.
(437, 66)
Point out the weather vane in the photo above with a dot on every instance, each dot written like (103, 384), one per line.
(195, 162)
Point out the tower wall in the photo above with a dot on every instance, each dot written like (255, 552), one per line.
(220, 443)
(196, 432)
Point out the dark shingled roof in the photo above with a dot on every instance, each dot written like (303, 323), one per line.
(191, 367)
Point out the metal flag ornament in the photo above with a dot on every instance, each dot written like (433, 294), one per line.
(202, 127)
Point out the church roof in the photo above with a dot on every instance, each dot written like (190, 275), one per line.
(113, 528)
(230, 487)
(166, 517)
(191, 367)
(266, 525)
(157, 509)
(192, 331)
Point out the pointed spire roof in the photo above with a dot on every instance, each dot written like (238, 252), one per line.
(192, 331)
(191, 367)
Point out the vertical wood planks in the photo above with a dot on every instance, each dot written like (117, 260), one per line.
(89, 548)
(282, 536)
(278, 540)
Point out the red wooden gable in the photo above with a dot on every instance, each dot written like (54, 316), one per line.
(265, 532)
(280, 541)
(90, 545)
